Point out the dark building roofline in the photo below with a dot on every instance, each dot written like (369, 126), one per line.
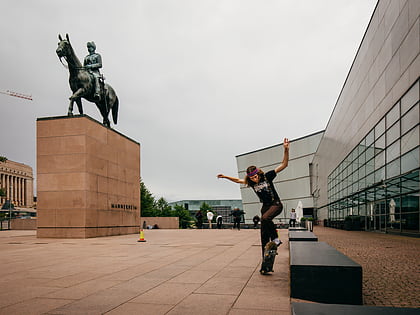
(276, 145)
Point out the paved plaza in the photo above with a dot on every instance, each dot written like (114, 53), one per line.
(173, 272)
(185, 272)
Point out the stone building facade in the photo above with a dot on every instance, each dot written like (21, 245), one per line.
(16, 179)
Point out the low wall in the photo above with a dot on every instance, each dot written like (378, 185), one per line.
(162, 222)
(23, 224)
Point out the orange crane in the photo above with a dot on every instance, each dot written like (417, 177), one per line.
(15, 94)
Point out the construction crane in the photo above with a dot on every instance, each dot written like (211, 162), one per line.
(15, 94)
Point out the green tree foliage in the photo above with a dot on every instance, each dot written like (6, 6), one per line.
(2, 192)
(185, 219)
(204, 207)
(3, 158)
(164, 210)
(150, 207)
(147, 201)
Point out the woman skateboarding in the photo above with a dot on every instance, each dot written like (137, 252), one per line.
(262, 184)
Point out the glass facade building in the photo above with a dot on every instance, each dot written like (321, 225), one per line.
(366, 168)
(379, 179)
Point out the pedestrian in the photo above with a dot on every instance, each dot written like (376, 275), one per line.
(210, 216)
(219, 221)
(199, 218)
(237, 218)
(262, 184)
(292, 221)
(256, 220)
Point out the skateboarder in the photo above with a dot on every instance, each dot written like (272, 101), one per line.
(262, 184)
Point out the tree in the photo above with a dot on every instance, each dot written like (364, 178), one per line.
(185, 219)
(204, 207)
(3, 158)
(147, 202)
(2, 192)
(163, 208)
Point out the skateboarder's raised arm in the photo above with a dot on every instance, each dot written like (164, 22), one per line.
(285, 161)
(233, 179)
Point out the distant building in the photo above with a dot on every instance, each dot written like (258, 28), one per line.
(16, 179)
(222, 207)
(293, 184)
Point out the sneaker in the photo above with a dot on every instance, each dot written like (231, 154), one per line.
(278, 242)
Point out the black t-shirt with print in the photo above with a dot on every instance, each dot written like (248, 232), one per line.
(265, 189)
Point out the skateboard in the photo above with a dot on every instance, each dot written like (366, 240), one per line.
(270, 252)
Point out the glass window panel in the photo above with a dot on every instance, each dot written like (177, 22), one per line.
(393, 133)
(393, 151)
(380, 160)
(410, 98)
(362, 171)
(355, 188)
(380, 128)
(380, 144)
(393, 168)
(370, 180)
(410, 140)
(370, 138)
(370, 166)
(369, 153)
(410, 161)
(410, 182)
(410, 119)
(362, 183)
(393, 115)
(393, 187)
(410, 222)
(362, 145)
(354, 153)
(379, 174)
(362, 159)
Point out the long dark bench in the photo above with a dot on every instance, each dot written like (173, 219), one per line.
(322, 309)
(302, 236)
(320, 273)
(297, 228)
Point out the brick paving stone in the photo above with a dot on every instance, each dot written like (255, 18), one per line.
(391, 264)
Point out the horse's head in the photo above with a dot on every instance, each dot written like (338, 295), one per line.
(64, 47)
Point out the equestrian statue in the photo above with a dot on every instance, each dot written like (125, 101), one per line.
(86, 81)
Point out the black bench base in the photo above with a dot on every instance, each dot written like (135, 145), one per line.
(298, 236)
(322, 309)
(320, 273)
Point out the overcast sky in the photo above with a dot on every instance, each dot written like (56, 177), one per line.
(199, 81)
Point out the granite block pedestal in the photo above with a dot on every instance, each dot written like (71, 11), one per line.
(88, 179)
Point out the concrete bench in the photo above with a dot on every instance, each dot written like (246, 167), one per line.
(320, 273)
(304, 236)
(320, 309)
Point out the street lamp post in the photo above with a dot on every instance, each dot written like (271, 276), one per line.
(10, 207)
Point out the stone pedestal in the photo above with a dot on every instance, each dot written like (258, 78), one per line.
(88, 179)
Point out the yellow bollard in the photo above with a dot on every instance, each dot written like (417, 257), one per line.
(141, 239)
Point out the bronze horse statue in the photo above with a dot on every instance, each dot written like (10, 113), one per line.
(82, 84)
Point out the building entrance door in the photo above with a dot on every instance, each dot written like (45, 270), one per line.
(380, 215)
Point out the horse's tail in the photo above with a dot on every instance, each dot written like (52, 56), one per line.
(115, 110)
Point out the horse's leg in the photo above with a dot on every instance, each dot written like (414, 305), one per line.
(70, 110)
(79, 105)
(77, 94)
(102, 108)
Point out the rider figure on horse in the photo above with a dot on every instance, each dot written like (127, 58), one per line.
(93, 62)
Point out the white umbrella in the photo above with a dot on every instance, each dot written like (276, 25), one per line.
(299, 211)
(392, 205)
